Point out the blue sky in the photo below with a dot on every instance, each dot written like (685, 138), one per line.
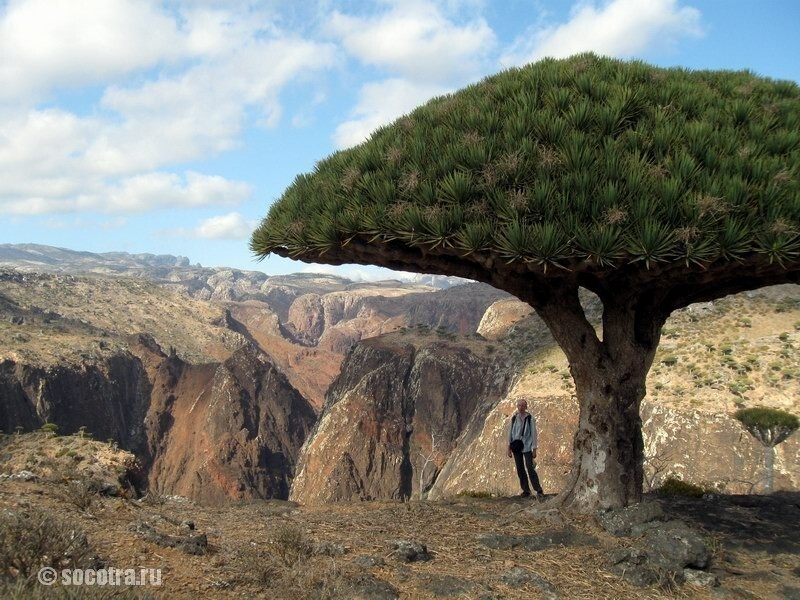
(169, 127)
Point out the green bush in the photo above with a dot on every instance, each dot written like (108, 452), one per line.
(474, 494)
(672, 486)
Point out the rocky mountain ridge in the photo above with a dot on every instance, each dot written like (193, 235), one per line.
(214, 397)
(195, 280)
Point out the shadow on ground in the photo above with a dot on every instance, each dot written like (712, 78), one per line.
(759, 523)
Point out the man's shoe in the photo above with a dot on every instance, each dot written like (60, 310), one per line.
(540, 496)
(524, 494)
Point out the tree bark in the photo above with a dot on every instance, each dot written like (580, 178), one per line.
(609, 377)
(769, 467)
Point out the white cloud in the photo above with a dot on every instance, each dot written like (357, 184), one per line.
(416, 40)
(137, 194)
(428, 47)
(355, 272)
(232, 226)
(45, 44)
(159, 190)
(206, 72)
(380, 103)
(621, 28)
(204, 109)
(81, 223)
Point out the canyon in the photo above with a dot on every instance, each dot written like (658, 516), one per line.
(231, 385)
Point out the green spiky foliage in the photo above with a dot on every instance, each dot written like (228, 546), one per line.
(586, 164)
(770, 426)
(653, 188)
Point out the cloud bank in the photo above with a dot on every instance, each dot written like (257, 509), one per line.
(178, 83)
(622, 29)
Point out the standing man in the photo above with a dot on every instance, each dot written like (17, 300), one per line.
(522, 445)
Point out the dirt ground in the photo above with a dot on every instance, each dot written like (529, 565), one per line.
(344, 550)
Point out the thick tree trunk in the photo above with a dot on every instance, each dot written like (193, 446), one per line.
(769, 466)
(610, 378)
(608, 448)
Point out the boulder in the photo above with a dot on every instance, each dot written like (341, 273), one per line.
(409, 551)
(621, 521)
(518, 577)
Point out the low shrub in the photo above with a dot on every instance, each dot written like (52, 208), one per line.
(283, 566)
(80, 493)
(474, 494)
(31, 540)
(672, 486)
(290, 544)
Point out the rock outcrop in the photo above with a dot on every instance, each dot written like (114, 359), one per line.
(224, 431)
(397, 402)
(211, 432)
(110, 397)
(500, 316)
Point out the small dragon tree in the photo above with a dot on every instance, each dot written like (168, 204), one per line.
(769, 426)
(653, 188)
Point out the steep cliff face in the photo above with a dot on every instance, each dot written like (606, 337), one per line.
(713, 449)
(211, 432)
(369, 312)
(110, 397)
(310, 339)
(224, 431)
(310, 370)
(398, 401)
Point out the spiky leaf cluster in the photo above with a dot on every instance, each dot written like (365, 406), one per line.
(770, 426)
(585, 163)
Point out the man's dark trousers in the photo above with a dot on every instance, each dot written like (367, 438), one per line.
(523, 479)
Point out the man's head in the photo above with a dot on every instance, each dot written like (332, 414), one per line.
(522, 406)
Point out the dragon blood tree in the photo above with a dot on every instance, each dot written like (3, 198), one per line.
(653, 188)
(770, 426)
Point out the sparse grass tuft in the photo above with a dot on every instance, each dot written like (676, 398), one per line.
(283, 567)
(80, 494)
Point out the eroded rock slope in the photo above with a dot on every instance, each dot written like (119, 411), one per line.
(400, 399)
